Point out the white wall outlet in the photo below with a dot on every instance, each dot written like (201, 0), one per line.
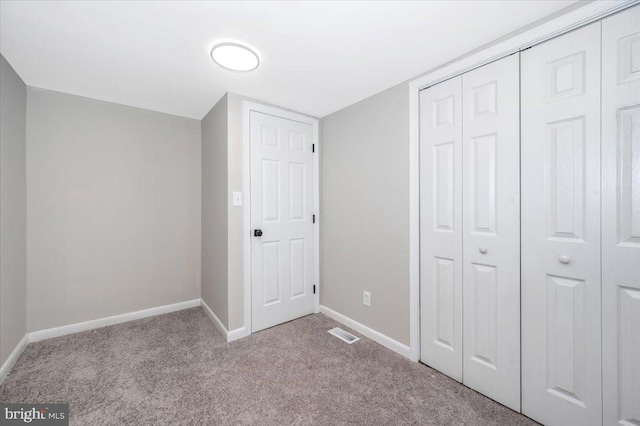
(366, 298)
(237, 199)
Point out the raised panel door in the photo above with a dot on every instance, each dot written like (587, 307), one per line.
(491, 230)
(282, 208)
(441, 227)
(561, 275)
(621, 218)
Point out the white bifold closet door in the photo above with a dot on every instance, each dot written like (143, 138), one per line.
(469, 153)
(621, 218)
(441, 227)
(491, 230)
(561, 315)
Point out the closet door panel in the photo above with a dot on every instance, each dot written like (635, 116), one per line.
(441, 227)
(561, 291)
(491, 230)
(621, 218)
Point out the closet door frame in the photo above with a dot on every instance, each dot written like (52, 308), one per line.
(575, 19)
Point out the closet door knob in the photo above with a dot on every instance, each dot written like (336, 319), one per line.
(483, 250)
(564, 259)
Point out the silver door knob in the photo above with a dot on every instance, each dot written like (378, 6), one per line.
(483, 250)
(564, 259)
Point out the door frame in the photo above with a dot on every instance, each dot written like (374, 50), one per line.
(555, 27)
(247, 107)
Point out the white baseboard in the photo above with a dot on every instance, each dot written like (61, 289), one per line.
(214, 318)
(36, 336)
(236, 334)
(49, 333)
(230, 336)
(13, 357)
(372, 334)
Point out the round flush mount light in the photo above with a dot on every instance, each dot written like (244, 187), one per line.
(235, 57)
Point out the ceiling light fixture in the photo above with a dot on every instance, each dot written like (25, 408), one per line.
(235, 57)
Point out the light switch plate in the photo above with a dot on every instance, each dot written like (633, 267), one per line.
(366, 298)
(237, 199)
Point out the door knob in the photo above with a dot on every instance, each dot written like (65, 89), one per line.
(564, 259)
(257, 232)
(483, 250)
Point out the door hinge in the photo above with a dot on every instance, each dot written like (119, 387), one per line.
(314, 289)
(313, 147)
(314, 218)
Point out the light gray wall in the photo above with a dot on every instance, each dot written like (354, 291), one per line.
(114, 209)
(215, 211)
(13, 175)
(236, 214)
(222, 223)
(364, 226)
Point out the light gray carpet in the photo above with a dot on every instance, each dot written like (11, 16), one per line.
(177, 369)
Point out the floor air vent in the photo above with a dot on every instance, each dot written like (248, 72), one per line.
(343, 335)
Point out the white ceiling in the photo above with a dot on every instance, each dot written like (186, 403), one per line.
(316, 57)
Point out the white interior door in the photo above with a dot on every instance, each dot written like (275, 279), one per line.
(491, 229)
(441, 227)
(282, 247)
(561, 330)
(621, 218)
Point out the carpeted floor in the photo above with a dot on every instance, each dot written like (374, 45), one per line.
(177, 369)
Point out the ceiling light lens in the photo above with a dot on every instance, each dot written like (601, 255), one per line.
(235, 57)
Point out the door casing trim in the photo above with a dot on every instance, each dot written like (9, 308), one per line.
(247, 107)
